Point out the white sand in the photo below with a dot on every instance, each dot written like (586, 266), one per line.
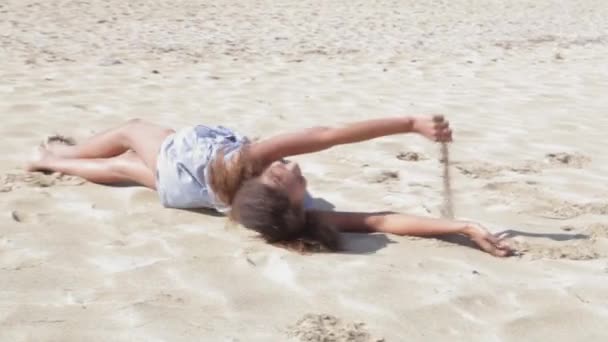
(518, 80)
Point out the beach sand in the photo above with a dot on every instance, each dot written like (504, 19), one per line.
(523, 83)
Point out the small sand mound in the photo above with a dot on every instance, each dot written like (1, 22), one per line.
(327, 328)
(12, 181)
(410, 156)
(584, 249)
(562, 210)
(479, 170)
(484, 170)
(598, 231)
(575, 160)
(381, 176)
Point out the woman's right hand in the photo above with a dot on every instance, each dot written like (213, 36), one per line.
(435, 128)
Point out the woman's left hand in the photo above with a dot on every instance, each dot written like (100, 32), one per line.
(488, 241)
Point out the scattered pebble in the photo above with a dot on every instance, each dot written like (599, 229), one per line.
(575, 160)
(16, 216)
(410, 156)
(110, 62)
(381, 176)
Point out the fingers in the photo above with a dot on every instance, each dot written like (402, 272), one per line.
(443, 132)
(501, 253)
(505, 249)
(493, 245)
(489, 247)
(488, 241)
(445, 136)
(437, 129)
(499, 243)
(501, 249)
(492, 238)
(438, 118)
(496, 249)
(441, 124)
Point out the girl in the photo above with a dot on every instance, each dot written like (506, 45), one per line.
(214, 167)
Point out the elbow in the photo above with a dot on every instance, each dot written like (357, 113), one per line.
(378, 222)
(369, 223)
(374, 224)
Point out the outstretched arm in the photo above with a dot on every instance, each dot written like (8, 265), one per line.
(320, 138)
(400, 224)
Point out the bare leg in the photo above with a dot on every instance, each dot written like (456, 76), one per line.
(128, 167)
(142, 137)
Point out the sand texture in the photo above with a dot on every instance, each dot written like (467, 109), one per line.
(524, 84)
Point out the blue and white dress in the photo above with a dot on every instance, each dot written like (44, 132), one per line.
(182, 176)
(182, 169)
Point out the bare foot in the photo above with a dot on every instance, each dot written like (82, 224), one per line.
(59, 145)
(39, 160)
(487, 241)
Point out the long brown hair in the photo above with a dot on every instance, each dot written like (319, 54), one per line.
(268, 211)
(227, 176)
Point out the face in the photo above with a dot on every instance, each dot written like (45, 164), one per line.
(286, 176)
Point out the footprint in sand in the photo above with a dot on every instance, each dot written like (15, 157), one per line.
(143, 197)
(566, 210)
(13, 181)
(508, 191)
(575, 160)
(580, 251)
(485, 170)
(542, 204)
(28, 217)
(411, 156)
(571, 249)
(321, 327)
(380, 176)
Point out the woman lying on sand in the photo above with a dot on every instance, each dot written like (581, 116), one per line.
(214, 167)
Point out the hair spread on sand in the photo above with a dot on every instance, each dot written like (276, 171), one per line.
(268, 211)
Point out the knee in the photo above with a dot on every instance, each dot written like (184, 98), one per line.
(133, 124)
(124, 132)
(123, 165)
(167, 131)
